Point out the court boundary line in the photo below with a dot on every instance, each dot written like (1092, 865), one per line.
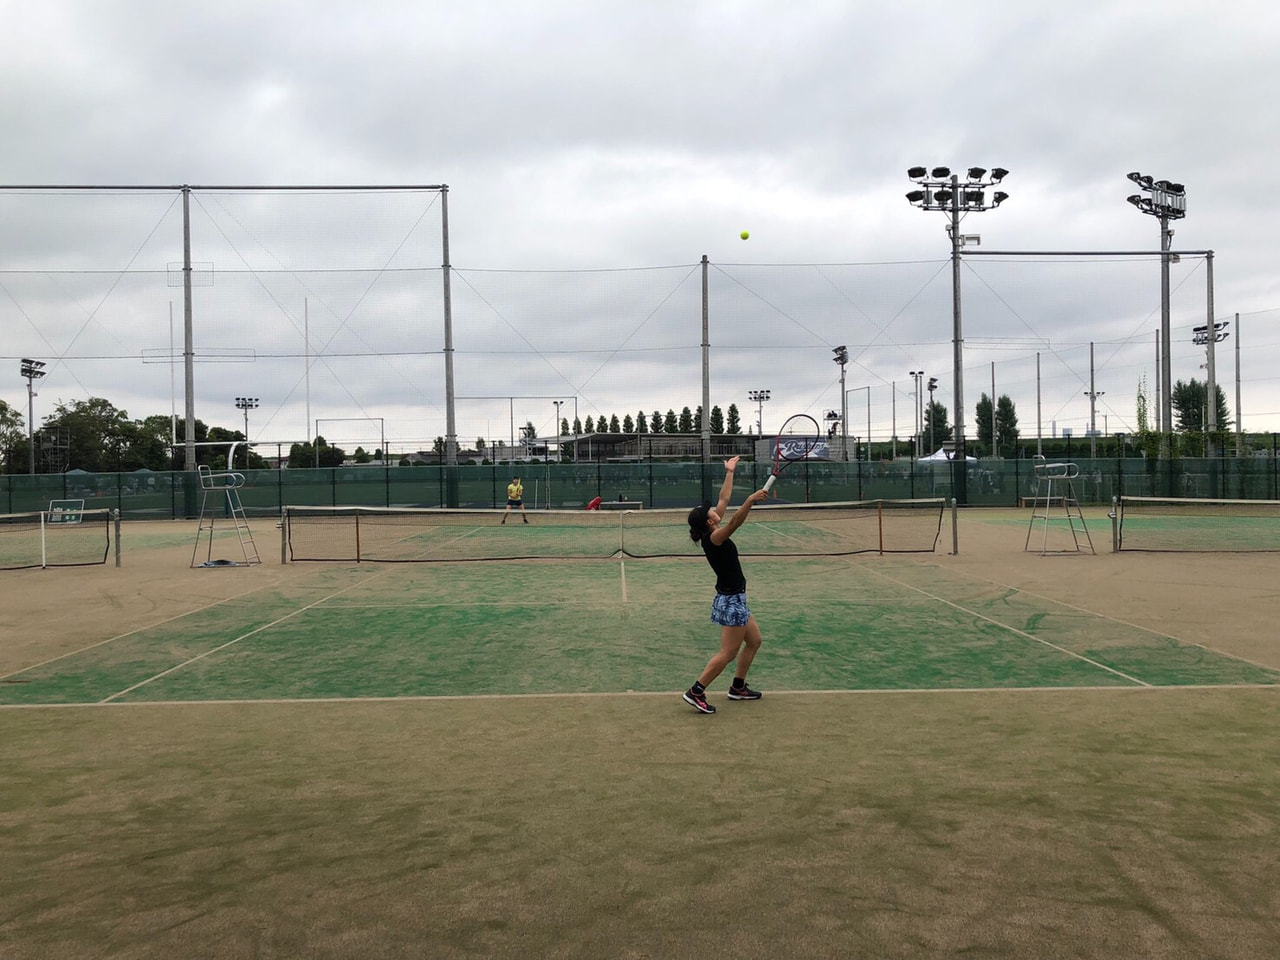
(1136, 626)
(1013, 630)
(641, 694)
(235, 640)
(149, 626)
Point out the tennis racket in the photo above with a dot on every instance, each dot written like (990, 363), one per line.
(796, 440)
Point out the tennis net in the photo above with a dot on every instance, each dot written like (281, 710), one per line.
(55, 538)
(407, 535)
(1197, 526)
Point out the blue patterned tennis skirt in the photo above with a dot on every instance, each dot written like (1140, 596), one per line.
(730, 610)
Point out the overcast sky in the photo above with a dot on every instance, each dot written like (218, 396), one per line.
(582, 142)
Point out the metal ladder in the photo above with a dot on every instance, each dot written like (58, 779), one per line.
(223, 487)
(1054, 482)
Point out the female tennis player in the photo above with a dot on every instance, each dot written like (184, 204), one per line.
(739, 635)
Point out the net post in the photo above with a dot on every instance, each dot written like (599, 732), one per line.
(44, 553)
(880, 523)
(1115, 524)
(115, 520)
(284, 533)
(955, 530)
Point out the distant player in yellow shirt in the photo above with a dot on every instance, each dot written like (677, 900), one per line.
(515, 498)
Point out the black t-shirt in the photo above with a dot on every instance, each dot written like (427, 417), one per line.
(724, 561)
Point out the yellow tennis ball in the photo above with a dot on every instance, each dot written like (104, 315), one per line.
(744, 234)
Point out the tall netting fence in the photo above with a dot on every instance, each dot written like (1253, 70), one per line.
(319, 303)
(146, 494)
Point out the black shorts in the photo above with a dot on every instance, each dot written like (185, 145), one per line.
(515, 503)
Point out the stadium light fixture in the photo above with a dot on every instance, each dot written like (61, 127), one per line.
(759, 397)
(1166, 201)
(246, 404)
(917, 173)
(917, 376)
(32, 370)
(842, 357)
(945, 192)
(933, 385)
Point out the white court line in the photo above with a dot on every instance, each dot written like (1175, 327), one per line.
(1005, 626)
(1270, 668)
(642, 694)
(243, 636)
(149, 626)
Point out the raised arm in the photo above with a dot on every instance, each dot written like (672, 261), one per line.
(722, 533)
(726, 488)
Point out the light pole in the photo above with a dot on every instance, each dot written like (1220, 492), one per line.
(933, 385)
(1204, 337)
(558, 431)
(246, 404)
(918, 441)
(842, 357)
(758, 397)
(33, 370)
(1166, 201)
(1093, 394)
(940, 189)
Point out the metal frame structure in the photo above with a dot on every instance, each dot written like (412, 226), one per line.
(940, 189)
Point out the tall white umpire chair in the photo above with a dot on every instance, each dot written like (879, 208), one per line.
(1055, 502)
(220, 494)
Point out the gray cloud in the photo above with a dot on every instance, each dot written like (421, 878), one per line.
(589, 136)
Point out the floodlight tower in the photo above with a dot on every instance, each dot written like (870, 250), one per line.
(842, 357)
(940, 189)
(758, 397)
(1166, 201)
(918, 440)
(1093, 394)
(246, 404)
(33, 370)
(933, 385)
(1207, 336)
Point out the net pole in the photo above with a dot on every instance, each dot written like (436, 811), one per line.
(955, 530)
(284, 534)
(44, 557)
(115, 515)
(1115, 524)
(880, 523)
(357, 536)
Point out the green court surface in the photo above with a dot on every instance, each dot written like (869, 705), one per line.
(373, 631)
